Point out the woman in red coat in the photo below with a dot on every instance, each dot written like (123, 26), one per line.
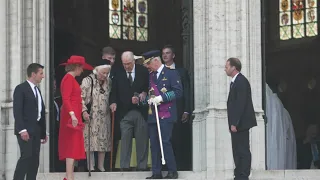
(71, 141)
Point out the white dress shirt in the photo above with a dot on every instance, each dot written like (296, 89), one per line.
(234, 77)
(172, 66)
(39, 102)
(159, 70)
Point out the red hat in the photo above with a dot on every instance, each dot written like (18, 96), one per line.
(78, 60)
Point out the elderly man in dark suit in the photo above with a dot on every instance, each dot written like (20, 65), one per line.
(164, 88)
(241, 118)
(30, 123)
(182, 131)
(129, 87)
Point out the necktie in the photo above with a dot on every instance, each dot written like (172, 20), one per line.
(36, 92)
(130, 78)
(156, 75)
(231, 84)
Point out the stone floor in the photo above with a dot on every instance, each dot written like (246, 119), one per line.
(256, 175)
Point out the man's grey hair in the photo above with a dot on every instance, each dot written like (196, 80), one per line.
(128, 55)
(156, 59)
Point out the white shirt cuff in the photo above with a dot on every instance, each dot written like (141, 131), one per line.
(24, 130)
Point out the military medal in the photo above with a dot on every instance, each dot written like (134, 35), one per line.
(164, 90)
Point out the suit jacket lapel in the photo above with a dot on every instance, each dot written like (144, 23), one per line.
(125, 77)
(234, 84)
(30, 90)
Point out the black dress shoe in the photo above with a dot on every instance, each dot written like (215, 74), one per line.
(124, 169)
(138, 169)
(155, 176)
(172, 175)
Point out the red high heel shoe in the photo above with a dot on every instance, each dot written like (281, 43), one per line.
(65, 179)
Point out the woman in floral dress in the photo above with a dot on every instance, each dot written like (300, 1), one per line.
(95, 90)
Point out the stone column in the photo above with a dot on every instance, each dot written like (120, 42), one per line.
(42, 55)
(13, 76)
(24, 43)
(3, 53)
(200, 85)
(254, 74)
(233, 30)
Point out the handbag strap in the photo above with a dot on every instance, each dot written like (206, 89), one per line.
(91, 88)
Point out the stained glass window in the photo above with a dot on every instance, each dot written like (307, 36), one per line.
(128, 19)
(298, 19)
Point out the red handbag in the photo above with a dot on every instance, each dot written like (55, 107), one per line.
(79, 127)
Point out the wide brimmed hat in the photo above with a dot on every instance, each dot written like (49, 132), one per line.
(78, 60)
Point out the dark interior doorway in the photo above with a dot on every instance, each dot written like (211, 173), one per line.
(292, 65)
(81, 27)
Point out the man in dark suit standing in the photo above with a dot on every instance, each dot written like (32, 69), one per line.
(241, 118)
(30, 123)
(182, 131)
(129, 88)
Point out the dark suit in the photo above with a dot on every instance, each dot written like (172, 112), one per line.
(131, 117)
(241, 114)
(168, 84)
(182, 132)
(25, 111)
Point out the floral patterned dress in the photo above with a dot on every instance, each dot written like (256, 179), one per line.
(100, 132)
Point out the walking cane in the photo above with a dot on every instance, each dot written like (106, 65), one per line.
(112, 134)
(89, 152)
(89, 132)
(159, 134)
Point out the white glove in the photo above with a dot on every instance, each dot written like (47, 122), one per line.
(150, 101)
(157, 100)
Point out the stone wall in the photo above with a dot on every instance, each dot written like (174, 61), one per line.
(224, 29)
(25, 39)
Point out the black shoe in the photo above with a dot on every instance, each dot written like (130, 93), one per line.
(138, 169)
(155, 176)
(172, 175)
(124, 169)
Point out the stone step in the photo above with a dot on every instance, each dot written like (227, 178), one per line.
(189, 175)
(111, 176)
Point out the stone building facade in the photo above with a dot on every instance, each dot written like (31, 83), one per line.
(222, 29)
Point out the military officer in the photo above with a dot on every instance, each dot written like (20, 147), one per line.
(164, 88)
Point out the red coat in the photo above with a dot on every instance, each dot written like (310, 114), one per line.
(71, 140)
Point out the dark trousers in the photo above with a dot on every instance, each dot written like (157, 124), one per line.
(166, 131)
(28, 162)
(182, 145)
(134, 123)
(241, 154)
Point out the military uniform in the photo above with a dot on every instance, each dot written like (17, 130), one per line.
(165, 83)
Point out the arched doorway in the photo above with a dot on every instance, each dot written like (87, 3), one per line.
(84, 27)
